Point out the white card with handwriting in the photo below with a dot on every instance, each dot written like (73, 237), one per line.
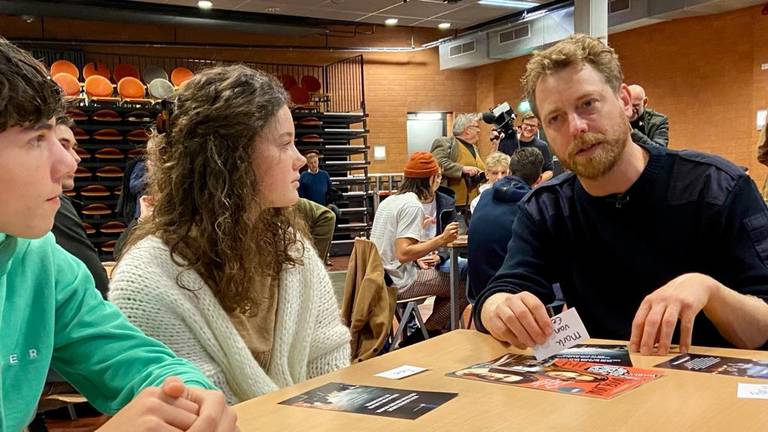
(567, 331)
(752, 391)
(401, 372)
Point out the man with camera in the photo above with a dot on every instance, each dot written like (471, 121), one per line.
(648, 126)
(460, 159)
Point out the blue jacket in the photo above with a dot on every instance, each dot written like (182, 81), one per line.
(490, 230)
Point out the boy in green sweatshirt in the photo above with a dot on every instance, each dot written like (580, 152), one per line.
(50, 313)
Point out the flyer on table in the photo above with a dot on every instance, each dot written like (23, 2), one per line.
(378, 401)
(603, 381)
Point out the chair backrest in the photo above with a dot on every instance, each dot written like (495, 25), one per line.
(368, 305)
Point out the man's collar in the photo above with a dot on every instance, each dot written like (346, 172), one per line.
(463, 141)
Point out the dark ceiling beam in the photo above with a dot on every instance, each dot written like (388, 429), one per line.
(155, 13)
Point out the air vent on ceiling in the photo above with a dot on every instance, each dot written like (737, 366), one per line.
(615, 6)
(514, 34)
(461, 49)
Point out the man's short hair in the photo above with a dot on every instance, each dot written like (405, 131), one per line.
(526, 163)
(65, 120)
(312, 152)
(497, 160)
(527, 116)
(577, 49)
(28, 96)
(462, 121)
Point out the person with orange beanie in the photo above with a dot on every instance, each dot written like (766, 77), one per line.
(409, 261)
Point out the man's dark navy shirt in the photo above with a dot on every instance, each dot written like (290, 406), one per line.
(687, 212)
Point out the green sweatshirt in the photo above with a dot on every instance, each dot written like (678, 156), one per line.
(52, 316)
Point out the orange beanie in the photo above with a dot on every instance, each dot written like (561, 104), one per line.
(421, 165)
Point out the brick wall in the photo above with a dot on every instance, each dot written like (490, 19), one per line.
(702, 72)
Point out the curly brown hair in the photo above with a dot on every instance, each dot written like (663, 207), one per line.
(27, 94)
(205, 191)
(576, 49)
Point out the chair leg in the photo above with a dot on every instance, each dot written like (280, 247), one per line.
(403, 323)
(420, 320)
(72, 412)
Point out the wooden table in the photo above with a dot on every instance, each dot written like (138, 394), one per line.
(454, 249)
(678, 402)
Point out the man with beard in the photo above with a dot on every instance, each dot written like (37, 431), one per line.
(648, 126)
(639, 237)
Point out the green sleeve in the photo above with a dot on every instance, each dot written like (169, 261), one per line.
(96, 349)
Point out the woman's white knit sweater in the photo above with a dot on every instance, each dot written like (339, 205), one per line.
(309, 338)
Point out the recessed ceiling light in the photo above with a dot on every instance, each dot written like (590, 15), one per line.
(205, 4)
(272, 10)
(508, 3)
(444, 26)
(390, 21)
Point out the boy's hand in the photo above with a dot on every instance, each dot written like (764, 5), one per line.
(174, 407)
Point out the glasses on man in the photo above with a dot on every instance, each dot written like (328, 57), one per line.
(530, 126)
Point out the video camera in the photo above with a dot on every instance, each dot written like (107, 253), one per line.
(503, 117)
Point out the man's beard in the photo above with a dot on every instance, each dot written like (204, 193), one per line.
(604, 158)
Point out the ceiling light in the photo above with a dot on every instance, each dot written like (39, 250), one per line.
(444, 26)
(390, 21)
(205, 4)
(508, 3)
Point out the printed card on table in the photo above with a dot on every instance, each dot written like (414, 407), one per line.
(377, 401)
(401, 372)
(752, 391)
(718, 365)
(568, 330)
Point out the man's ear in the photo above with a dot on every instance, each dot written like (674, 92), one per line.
(538, 180)
(645, 102)
(625, 99)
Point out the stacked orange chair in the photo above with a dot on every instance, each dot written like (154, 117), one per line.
(65, 74)
(96, 69)
(180, 75)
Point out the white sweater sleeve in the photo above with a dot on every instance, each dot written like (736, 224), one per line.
(329, 348)
(147, 293)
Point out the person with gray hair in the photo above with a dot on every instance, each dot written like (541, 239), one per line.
(460, 159)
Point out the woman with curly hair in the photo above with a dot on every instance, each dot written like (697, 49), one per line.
(223, 273)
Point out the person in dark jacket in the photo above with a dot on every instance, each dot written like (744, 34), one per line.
(648, 126)
(492, 221)
(646, 243)
(67, 226)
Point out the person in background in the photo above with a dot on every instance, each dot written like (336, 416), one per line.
(648, 126)
(314, 183)
(698, 218)
(397, 232)
(223, 258)
(496, 168)
(460, 159)
(495, 215)
(48, 301)
(67, 225)
(320, 221)
(529, 129)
